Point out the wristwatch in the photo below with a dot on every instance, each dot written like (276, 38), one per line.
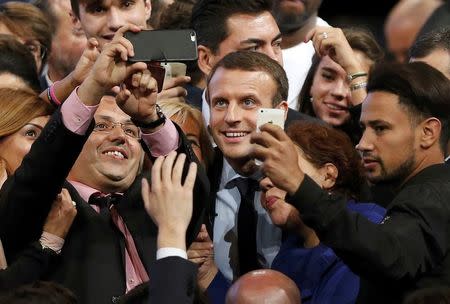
(161, 119)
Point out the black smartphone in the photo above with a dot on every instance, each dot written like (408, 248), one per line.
(163, 45)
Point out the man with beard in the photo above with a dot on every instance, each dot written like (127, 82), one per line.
(405, 118)
(295, 19)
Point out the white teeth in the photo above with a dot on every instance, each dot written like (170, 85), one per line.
(335, 107)
(235, 134)
(115, 153)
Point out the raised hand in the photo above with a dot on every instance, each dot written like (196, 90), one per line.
(61, 215)
(331, 41)
(169, 202)
(173, 89)
(111, 68)
(201, 252)
(86, 61)
(138, 99)
(279, 156)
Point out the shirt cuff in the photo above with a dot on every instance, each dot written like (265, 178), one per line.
(163, 141)
(170, 251)
(76, 116)
(52, 241)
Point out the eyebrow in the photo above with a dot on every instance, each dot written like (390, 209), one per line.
(330, 70)
(34, 125)
(258, 41)
(109, 118)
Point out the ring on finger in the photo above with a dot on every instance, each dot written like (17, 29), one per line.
(324, 35)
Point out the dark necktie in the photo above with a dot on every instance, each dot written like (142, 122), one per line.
(106, 204)
(246, 224)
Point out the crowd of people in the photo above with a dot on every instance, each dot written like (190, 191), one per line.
(115, 188)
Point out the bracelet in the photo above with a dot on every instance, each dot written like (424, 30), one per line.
(351, 77)
(357, 86)
(52, 96)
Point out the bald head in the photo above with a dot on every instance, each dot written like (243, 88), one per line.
(404, 23)
(263, 286)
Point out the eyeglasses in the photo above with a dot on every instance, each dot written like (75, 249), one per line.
(128, 128)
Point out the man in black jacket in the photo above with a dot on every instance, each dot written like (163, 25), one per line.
(405, 118)
(113, 241)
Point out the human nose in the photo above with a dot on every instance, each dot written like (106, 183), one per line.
(115, 19)
(340, 89)
(365, 143)
(265, 184)
(117, 131)
(232, 115)
(272, 52)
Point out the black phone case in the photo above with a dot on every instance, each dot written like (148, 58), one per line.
(163, 45)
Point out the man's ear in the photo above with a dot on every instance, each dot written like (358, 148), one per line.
(330, 173)
(283, 106)
(75, 20)
(206, 59)
(430, 132)
(148, 9)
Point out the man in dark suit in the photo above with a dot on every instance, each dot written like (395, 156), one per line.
(405, 119)
(239, 85)
(112, 242)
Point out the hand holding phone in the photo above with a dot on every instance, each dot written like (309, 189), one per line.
(268, 115)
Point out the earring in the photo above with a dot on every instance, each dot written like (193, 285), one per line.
(311, 99)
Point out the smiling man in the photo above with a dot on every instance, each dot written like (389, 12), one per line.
(243, 235)
(96, 145)
(405, 118)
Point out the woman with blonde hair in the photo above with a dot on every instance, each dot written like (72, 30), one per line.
(191, 122)
(23, 115)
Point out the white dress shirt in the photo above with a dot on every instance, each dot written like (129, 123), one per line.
(268, 236)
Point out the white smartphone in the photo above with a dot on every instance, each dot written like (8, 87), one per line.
(174, 69)
(273, 116)
(268, 115)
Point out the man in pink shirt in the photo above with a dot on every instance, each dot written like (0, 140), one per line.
(95, 144)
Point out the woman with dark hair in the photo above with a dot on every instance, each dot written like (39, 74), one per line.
(17, 65)
(28, 24)
(336, 81)
(328, 157)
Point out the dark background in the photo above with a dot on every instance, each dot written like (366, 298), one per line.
(369, 13)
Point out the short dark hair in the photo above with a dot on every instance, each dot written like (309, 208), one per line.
(436, 39)
(255, 62)
(322, 144)
(40, 292)
(421, 89)
(209, 18)
(359, 39)
(17, 60)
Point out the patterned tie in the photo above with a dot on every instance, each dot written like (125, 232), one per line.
(106, 203)
(246, 225)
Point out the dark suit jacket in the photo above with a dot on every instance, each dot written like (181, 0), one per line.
(174, 281)
(31, 265)
(92, 260)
